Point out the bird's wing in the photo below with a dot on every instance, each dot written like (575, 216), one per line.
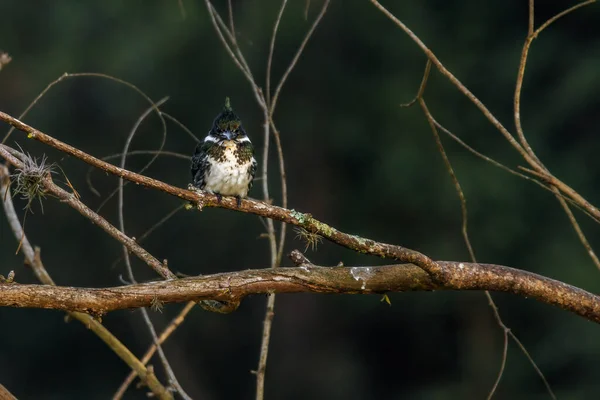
(200, 164)
(252, 172)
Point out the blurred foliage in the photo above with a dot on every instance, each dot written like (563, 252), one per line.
(354, 158)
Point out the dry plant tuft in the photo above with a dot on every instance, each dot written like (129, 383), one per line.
(29, 179)
(310, 239)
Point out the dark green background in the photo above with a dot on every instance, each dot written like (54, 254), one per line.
(354, 159)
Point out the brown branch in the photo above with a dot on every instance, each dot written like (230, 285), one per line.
(443, 275)
(178, 320)
(204, 199)
(297, 55)
(563, 187)
(33, 259)
(531, 35)
(586, 244)
(506, 332)
(4, 393)
(422, 86)
(172, 378)
(307, 278)
(74, 202)
(271, 50)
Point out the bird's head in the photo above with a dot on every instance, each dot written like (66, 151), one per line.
(227, 125)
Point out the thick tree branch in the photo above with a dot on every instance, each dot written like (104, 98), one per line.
(306, 278)
(204, 199)
(232, 287)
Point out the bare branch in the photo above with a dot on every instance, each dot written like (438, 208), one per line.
(521, 72)
(463, 205)
(264, 347)
(563, 187)
(586, 244)
(67, 75)
(165, 362)
(4, 393)
(72, 200)
(178, 320)
(421, 86)
(181, 8)
(441, 273)
(237, 57)
(88, 175)
(271, 50)
(531, 25)
(307, 278)
(204, 199)
(297, 56)
(33, 259)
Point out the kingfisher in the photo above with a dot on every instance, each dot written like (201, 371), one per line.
(224, 162)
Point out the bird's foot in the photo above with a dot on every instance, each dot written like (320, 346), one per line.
(219, 197)
(239, 201)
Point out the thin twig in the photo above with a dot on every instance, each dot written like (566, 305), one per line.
(231, 25)
(204, 199)
(563, 187)
(422, 86)
(586, 244)
(297, 55)
(465, 234)
(306, 8)
(284, 196)
(153, 107)
(84, 210)
(271, 50)
(67, 75)
(532, 34)
(236, 56)
(463, 204)
(234, 44)
(121, 215)
(179, 124)
(276, 249)
(181, 8)
(178, 320)
(140, 239)
(531, 25)
(505, 332)
(88, 175)
(521, 71)
(512, 171)
(33, 259)
(264, 347)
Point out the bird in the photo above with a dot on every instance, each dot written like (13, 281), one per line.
(223, 163)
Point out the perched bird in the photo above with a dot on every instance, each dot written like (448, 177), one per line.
(223, 162)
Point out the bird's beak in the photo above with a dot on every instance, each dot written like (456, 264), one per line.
(229, 135)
